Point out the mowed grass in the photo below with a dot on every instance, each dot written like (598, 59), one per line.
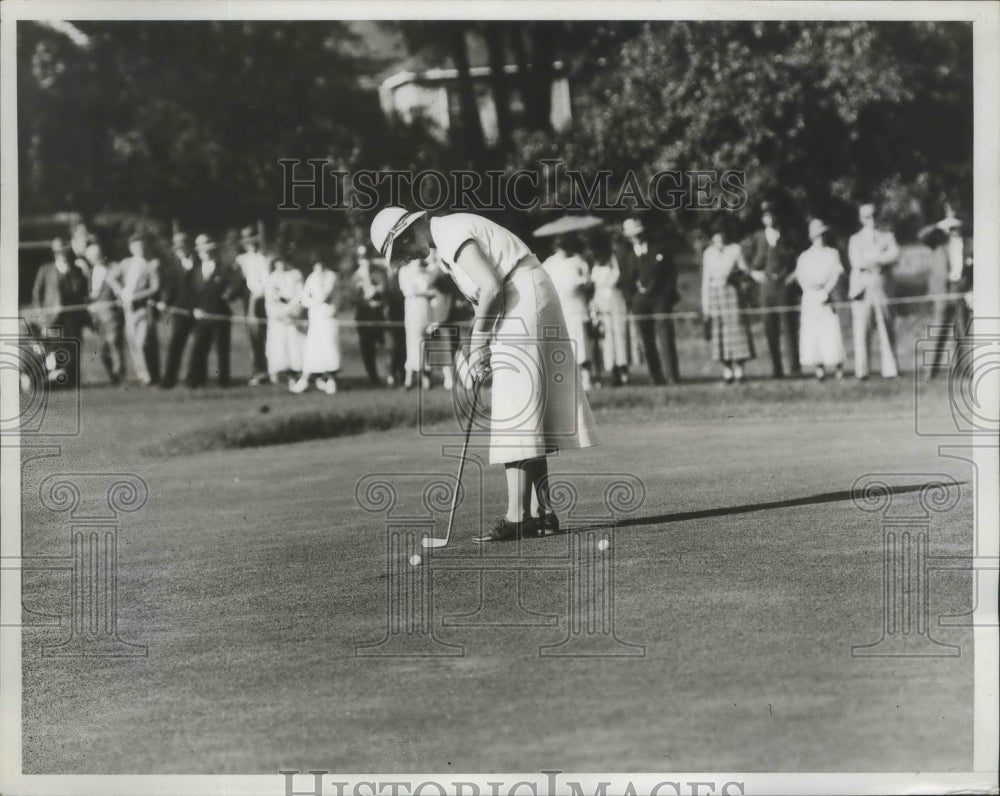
(252, 575)
(747, 574)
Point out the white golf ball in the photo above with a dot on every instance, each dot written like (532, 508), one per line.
(415, 560)
(604, 544)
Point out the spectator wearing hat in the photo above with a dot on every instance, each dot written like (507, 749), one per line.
(649, 282)
(872, 252)
(817, 271)
(177, 302)
(771, 254)
(106, 312)
(721, 302)
(140, 289)
(214, 288)
(60, 291)
(951, 275)
(255, 267)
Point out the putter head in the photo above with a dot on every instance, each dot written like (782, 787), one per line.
(433, 542)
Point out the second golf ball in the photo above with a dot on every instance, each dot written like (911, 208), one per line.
(604, 544)
(415, 560)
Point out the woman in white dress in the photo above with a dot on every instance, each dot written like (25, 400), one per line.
(732, 344)
(321, 357)
(611, 309)
(818, 271)
(283, 305)
(570, 276)
(519, 335)
(416, 283)
(441, 330)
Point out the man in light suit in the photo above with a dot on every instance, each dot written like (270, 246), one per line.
(106, 312)
(771, 253)
(255, 267)
(872, 252)
(139, 290)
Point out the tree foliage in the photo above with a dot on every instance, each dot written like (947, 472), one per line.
(817, 115)
(188, 119)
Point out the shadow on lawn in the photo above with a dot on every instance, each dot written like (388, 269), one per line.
(824, 497)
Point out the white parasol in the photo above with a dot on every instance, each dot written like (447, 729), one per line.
(567, 224)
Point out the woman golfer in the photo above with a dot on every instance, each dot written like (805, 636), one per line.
(519, 335)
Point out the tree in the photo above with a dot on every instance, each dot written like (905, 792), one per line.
(189, 119)
(818, 114)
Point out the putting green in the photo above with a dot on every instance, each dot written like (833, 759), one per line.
(747, 574)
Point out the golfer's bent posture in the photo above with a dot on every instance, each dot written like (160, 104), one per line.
(519, 334)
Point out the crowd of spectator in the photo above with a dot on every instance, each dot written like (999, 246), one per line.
(618, 288)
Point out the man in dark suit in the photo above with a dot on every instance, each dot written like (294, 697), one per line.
(371, 281)
(177, 304)
(649, 282)
(396, 334)
(215, 286)
(951, 275)
(770, 252)
(60, 290)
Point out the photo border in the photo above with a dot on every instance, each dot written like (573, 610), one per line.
(986, 33)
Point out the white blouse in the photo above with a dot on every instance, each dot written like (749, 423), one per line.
(414, 279)
(818, 269)
(502, 249)
(318, 289)
(568, 273)
(719, 263)
(606, 276)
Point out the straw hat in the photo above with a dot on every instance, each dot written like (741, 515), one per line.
(632, 227)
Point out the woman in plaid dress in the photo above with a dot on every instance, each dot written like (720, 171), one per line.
(732, 344)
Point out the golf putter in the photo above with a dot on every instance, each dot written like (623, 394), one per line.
(438, 541)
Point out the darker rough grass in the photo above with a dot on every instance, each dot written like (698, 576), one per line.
(281, 419)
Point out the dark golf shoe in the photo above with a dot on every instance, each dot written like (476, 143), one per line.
(547, 525)
(502, 531)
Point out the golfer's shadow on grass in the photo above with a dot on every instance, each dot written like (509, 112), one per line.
(824, 497)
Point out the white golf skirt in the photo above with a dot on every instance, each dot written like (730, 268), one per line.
(537, 403)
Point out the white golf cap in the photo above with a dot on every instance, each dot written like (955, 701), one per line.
(388, 225)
